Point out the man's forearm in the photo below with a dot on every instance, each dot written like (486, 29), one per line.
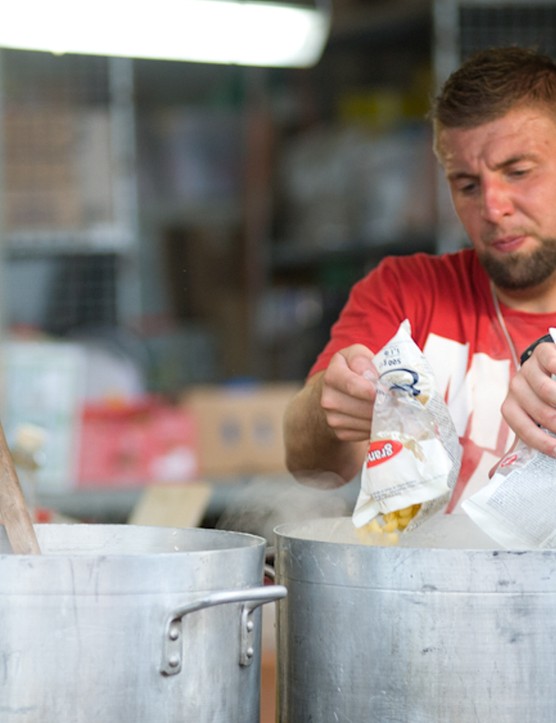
(313, 452)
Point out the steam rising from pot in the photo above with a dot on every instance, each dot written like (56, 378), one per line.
(324, 513)
(265, 502)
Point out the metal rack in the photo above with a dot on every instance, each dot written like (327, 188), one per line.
(67, 173)
(462, 27)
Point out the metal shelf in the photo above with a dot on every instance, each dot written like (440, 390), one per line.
(82, 241)
(67, 175)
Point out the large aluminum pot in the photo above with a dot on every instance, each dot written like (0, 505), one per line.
(420, 634)
(126, 623)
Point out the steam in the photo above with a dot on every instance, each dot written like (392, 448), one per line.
(265, 502)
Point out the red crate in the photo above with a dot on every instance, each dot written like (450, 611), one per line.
(130, 444)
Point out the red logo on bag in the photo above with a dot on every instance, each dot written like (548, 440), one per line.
(381, 450)
(507, 461)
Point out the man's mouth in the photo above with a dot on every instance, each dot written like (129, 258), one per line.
(508, 244)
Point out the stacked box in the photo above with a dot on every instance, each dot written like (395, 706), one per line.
(240, 428)
(58, 168)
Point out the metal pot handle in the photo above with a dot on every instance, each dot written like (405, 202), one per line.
(252, 597)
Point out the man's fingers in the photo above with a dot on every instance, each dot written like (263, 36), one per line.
(362, 364)
(348, 427)
(527, 429)
(528, 403)
(352, 374)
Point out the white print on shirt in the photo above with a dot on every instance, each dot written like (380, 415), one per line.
(448, 359)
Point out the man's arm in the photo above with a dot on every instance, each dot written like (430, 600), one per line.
(327, 424)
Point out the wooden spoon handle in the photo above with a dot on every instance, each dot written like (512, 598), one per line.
(13, 509)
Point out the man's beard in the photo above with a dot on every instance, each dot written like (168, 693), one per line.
(516, 272)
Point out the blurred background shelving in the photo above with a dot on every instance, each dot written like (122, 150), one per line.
(69, 238)
(197, 206)
(203, 224)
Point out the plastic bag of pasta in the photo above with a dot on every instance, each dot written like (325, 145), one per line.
(414, 455)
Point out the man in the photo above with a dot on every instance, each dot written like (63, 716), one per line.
(472, 312)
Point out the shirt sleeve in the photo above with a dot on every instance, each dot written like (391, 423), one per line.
(375, 308)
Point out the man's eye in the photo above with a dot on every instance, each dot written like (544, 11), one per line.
(467, 188)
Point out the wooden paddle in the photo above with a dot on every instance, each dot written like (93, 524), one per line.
(13, 510)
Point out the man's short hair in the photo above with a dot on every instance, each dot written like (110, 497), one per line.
(490, 83)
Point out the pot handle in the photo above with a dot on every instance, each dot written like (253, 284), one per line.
(252, 598)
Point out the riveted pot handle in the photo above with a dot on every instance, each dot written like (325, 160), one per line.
(252, 598)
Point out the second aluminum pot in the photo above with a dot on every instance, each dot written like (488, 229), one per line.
(413, 635)
(127, 623)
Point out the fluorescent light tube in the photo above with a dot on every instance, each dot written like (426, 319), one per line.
(207, 31)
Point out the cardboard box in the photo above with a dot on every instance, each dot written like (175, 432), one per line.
(240, 427)
(41, 187)
(58, 171)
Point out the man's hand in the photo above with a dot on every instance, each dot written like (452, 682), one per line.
(348, 393)
(328, 423)
(530, 406)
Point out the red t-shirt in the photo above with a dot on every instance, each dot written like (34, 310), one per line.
(448, 301)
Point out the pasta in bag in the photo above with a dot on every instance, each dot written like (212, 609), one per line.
(414, 455)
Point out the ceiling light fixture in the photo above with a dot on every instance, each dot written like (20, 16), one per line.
(208, 31)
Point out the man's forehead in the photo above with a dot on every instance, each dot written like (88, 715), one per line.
(516, 133)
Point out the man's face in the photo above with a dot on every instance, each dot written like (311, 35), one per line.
(502, 177)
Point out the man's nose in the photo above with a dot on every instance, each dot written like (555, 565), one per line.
(496, 201)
